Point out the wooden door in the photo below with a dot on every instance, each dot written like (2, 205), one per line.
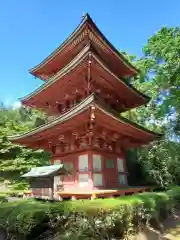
(110, 173)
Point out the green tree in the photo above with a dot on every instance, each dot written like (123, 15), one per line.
(16, 159)
(159, 78)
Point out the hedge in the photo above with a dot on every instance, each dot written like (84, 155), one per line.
(3, 198)
(12, 193)
(96, 219)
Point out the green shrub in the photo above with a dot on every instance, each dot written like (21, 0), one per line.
(97, 219)
(14, 193)
(174, 194)
(1, 179)
(19, 186)
(3, 198)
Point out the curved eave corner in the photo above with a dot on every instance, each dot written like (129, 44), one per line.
(133, 124)
(24, 101)
(124, 59)
(145, 97)
(86, 19)
(19, 139)
(34, 69)
(154, 134)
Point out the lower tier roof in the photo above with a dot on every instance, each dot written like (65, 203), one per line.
(80, 115)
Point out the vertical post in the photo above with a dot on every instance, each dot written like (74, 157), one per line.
(116, 170)
(51, 189)
(73, 198)
(93, 196)
(76, 167)
(90, 169)
(89, 75)
(103, 165)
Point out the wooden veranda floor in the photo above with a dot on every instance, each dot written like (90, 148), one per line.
(99, 193)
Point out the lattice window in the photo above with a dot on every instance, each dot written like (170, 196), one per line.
(83, 180)
(97, 179)
(122, 179)
(97, 164)
(120, 165)
(83, 163)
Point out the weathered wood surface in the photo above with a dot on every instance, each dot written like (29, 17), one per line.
(3, 235)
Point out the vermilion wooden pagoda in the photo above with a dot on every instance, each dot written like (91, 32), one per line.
(85, 92)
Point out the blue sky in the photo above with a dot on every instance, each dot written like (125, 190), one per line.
(31, 29)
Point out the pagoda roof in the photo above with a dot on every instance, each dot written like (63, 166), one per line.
(45, 171)
(79, 115)
(87, 31)
(58, 86)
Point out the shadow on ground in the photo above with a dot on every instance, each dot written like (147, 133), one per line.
(171, 230)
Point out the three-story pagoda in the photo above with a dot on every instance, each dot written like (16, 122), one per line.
(85, 92)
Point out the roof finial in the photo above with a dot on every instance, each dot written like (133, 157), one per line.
(85, 14)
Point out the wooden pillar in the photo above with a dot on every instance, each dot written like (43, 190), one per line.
(51, 189)
(76, 164)
(60, 198)
(93, 196)
(103, 162)
(116, 170)
(51, 193)
(73, 198)
(90, 170)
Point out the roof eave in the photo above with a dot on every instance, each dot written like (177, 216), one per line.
(82, 107)
(78, 28)
(77, 60)
(89, 19)
(86, 19)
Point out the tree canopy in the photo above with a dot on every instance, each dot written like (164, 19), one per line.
(159, 78)
(16, 159)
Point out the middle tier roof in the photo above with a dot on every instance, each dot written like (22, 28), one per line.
(72, 80)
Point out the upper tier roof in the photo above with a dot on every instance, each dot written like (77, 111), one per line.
(80, 115)
(72, 78)
(87, 31)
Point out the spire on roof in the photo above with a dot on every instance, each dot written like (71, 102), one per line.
(86, 16)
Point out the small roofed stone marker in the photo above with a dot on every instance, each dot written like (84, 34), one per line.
(42, 178)
(85, 92)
